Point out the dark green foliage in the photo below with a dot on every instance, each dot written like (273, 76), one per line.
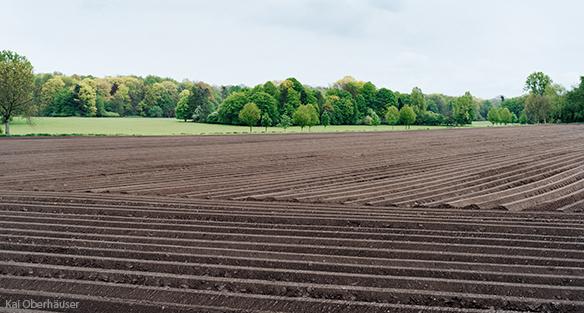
(266, 103)
(325, 119)
(155, 111)
(266, 121)
(201, 102)
(213, 118)
(573, 110)
(271, 89)
(485, 108)
(285, 121)
(229, 109)
(515, 105)
(63, 104)
(417, 100)
(383, 99)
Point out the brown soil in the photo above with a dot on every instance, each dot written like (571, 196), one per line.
(474, 220)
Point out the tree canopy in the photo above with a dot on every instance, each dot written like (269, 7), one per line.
(16, 86)
(348, 101)
(250, 115)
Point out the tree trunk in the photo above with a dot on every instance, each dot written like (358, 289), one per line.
(250, 130)
(6, 128)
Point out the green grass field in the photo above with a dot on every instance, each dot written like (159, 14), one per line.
(170, 126)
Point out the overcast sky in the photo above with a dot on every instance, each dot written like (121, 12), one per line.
(449, 46)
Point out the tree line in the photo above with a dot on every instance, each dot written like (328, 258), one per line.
(274, 103)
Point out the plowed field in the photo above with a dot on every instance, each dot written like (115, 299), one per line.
(473, 220)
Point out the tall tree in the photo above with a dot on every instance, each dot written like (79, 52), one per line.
(493, 116)
(407, 116)
(85, 97)
(182, 110)
(384, 98)
(231, 106)
(392, 115)
(201, 102)
(463, 109)
(537, 83)
(417, 100)
(266, 103)
(537, 108)
(49, 92)
(573, 111)
(250, 115)
(538, 104)
(266, 121)
(305, 115)
(505, 116)
(16, 85)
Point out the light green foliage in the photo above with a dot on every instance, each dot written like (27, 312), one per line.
(16, 85)
(250, 115)
(407, 115)
(49, 92)
(372, 118)
(505, 116)
(164, 95)
(537, 83)
(463, 109)
(85, 96)
(120, 102)
(367, 120)
(429, 118)
(375, 120)
(392, 115)
(493, 116)
(182, 106)
(305, 115)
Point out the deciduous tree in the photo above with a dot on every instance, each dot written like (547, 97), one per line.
(250, 115)
(407, 116)
(392, 115)
(305, 115)
(493, 116)
(182, 106)
(16, 85)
